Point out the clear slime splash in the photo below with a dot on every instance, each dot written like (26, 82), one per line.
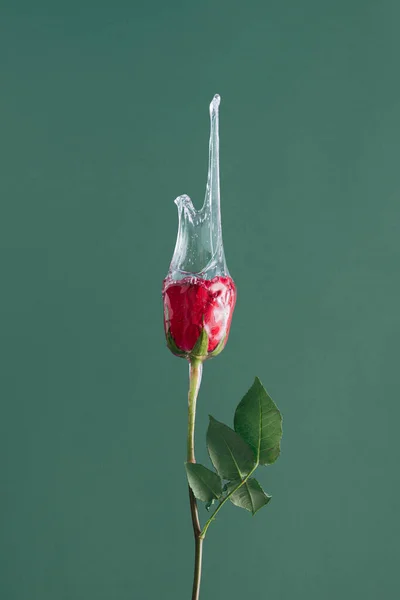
(199, 248)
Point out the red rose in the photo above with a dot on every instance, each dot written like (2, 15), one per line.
(191, 304)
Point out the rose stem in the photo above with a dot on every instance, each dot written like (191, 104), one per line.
(195, 372)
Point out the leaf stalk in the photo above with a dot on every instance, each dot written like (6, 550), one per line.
(222, 502)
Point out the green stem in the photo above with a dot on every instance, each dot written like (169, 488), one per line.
(195, 372)
(220, 505)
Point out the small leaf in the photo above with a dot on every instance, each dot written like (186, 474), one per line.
(200, 348)
(206, 485)
(250, 495)
(259, 422)
(229, 453)
(218, 349)
(172, 346)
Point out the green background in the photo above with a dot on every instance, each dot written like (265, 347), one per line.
(104, 121)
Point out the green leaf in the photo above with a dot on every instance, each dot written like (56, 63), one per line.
(250, 495)
(259, 422)
(200, 348)
(206, 485)
(229, 453)
(218, 349)
(172, 346)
